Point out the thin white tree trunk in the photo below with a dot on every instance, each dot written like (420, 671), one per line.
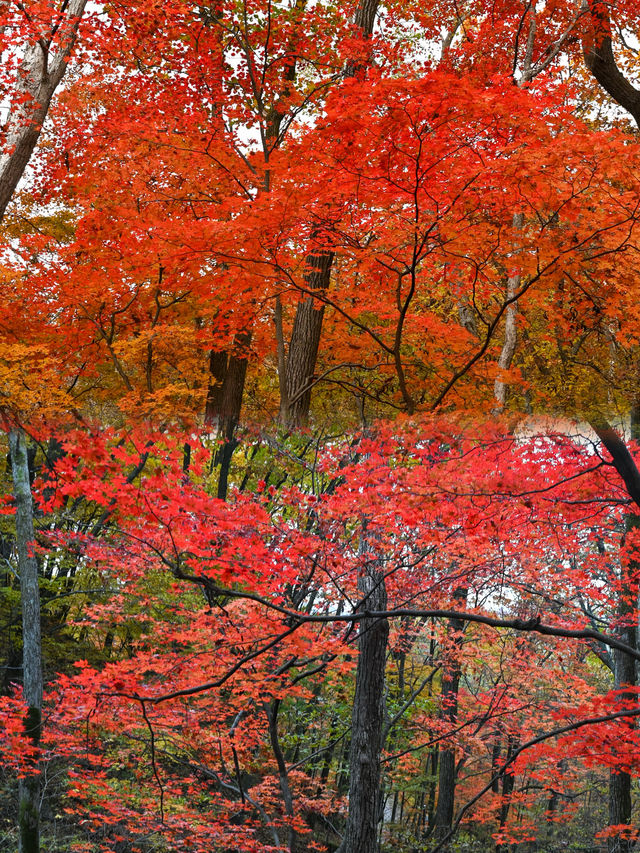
(40, 69)
(29, 787)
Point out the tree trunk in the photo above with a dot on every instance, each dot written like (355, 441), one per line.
(620, 783)
(367, 723)
(300, 364)
(227, 374)
(600, 61)
(510, 330)
(272, 708)
(29, 786)
(624, 675)
(39, 73)
(508, 780)
(304, 343)
(599, 58)
(447, 764)
(624, 665)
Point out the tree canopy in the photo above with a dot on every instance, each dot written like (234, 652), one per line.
(319, 367)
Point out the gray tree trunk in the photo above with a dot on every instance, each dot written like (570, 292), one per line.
(29, 786)
(40, 71)
(367, 722)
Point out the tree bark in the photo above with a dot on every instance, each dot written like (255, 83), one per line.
(510, 329)
(29, 786)
(300, 363)
(227, 374)
(624, 665)
(40, 71)
(272, 710)
(625, 674)
(508, 780)
(620, 783)
(447, 765)
(367, 723)
(305, 343)
(597, 49)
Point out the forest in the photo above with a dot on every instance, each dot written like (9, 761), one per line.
(320, 410)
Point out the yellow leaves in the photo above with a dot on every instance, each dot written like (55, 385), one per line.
(31, 387)
(28, 221)
(166, 405)
(163, 370)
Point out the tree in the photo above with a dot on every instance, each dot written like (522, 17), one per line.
(199, 668)
(297, 366)
(39, 44)
(228, 289)
(217, 166)
(38, 48)
(29, 795)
